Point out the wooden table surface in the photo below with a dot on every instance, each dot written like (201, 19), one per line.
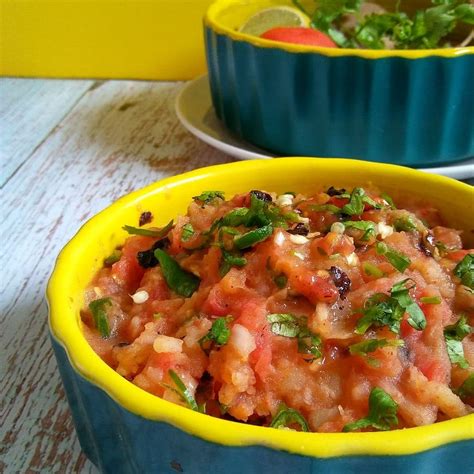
(67, 150)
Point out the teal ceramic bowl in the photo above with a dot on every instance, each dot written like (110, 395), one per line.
(123, 429)
(412, 108)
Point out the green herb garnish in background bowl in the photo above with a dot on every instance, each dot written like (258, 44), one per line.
(357, 24)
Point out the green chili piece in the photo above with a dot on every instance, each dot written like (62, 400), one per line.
(286, 416)
(253, 237)
(149, 232)
(179, 280)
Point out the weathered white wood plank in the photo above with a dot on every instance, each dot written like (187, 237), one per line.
(29, 110)
(119, 137)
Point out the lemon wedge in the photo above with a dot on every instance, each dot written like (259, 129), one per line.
(273, 17)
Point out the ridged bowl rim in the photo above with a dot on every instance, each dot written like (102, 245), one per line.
(211, 20)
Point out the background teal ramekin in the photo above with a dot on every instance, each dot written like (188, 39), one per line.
(415, 112)
(120, 442)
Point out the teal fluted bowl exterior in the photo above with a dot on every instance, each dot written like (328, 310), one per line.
(120, 442)
(415, 112)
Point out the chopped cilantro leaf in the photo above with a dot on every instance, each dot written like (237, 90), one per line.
(355, 206)
(456, 353)
(382, 413)
(398, 260)
(371, 345)
(235, 217)
(465, 271)
(466, 390)
(357, 201)
(230, 260)
(99, 315)
(383, 310)
(380, 310)
(368, 227)
(430, 300)
(287, 325)
(284, 325)
(183, 392)
(372, 270)
(453, 335)
(219, 332)
(207, 197)
(458, 330)
(404, 224)
(288, 416)
(187, 232)
(281, 280)
(400, 293)
(113, 258)
(149, 232)
(309, 343)
(388, 200)
(325, 208)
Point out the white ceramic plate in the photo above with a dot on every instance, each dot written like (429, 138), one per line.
(196, 113)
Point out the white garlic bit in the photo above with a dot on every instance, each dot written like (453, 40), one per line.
(140, 297)
(338, 228)
(242, 340)
(167, 344)
(285, 200)
(352, 259)
(298, 239)
(384, 230)
(298, 255)
(279, 238)
(303, 220)
(322, 311)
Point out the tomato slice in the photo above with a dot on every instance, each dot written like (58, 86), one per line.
(298, 35)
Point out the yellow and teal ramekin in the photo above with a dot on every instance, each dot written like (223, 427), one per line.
(124, 429)
(409, 107)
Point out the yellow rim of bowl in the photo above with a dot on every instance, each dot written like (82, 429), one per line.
(212, 22)
(89, 365)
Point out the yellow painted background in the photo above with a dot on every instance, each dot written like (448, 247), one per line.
(140, 39)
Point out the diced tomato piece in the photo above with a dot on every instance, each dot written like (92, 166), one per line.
(313, 287)
(261, 357)
(298, 35)
(215, 304)
(338, 201)
(458, 255)
(333, 243)
(127, 272)
(432, 370)
(211, 262)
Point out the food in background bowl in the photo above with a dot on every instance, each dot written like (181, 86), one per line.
(366, 25)
(409, 106)
(123, 428)
(333, 312)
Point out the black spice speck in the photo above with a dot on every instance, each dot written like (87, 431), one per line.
(145, 218)
(261, 195)
(332, 191)
(299, 229)
(341, 280)
(147, 259)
